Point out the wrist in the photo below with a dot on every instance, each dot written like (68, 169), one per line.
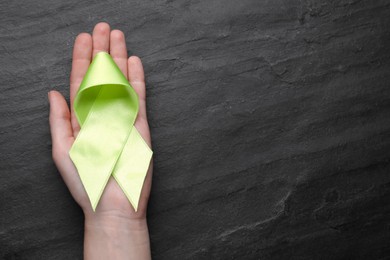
(113, 221)
(115, 237)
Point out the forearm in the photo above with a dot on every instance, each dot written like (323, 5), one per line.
(108, 237)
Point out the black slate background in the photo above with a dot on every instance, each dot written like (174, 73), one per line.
(270, 125)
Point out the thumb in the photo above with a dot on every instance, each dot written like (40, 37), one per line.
(60, 127)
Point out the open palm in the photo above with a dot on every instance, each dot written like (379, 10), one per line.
(64, 126)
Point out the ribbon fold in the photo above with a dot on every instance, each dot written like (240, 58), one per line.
(106, 107)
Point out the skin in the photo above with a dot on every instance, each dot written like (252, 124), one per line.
(115, 230)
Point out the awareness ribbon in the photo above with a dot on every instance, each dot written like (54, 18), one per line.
(106, 107)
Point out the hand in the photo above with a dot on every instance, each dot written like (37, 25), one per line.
(114, 214)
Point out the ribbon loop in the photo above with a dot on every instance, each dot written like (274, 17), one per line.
(106, 107)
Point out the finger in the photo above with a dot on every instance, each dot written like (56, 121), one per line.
(60, 127)
(137, 81)
(101, 38)
(82, 52)
(118, 50)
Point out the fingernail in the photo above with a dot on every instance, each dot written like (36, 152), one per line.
(48, 96)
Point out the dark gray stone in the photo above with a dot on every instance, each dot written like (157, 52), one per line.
(270, 126)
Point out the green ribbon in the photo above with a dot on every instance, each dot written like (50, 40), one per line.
(106, 107)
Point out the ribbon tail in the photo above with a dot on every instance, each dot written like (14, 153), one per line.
(132, 167)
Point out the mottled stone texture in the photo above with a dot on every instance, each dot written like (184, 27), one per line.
(270, 123)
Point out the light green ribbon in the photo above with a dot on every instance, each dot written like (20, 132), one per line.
(106, 107)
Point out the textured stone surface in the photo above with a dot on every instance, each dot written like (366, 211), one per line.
(270, 125)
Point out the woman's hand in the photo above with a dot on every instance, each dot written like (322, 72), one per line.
(115, 230)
